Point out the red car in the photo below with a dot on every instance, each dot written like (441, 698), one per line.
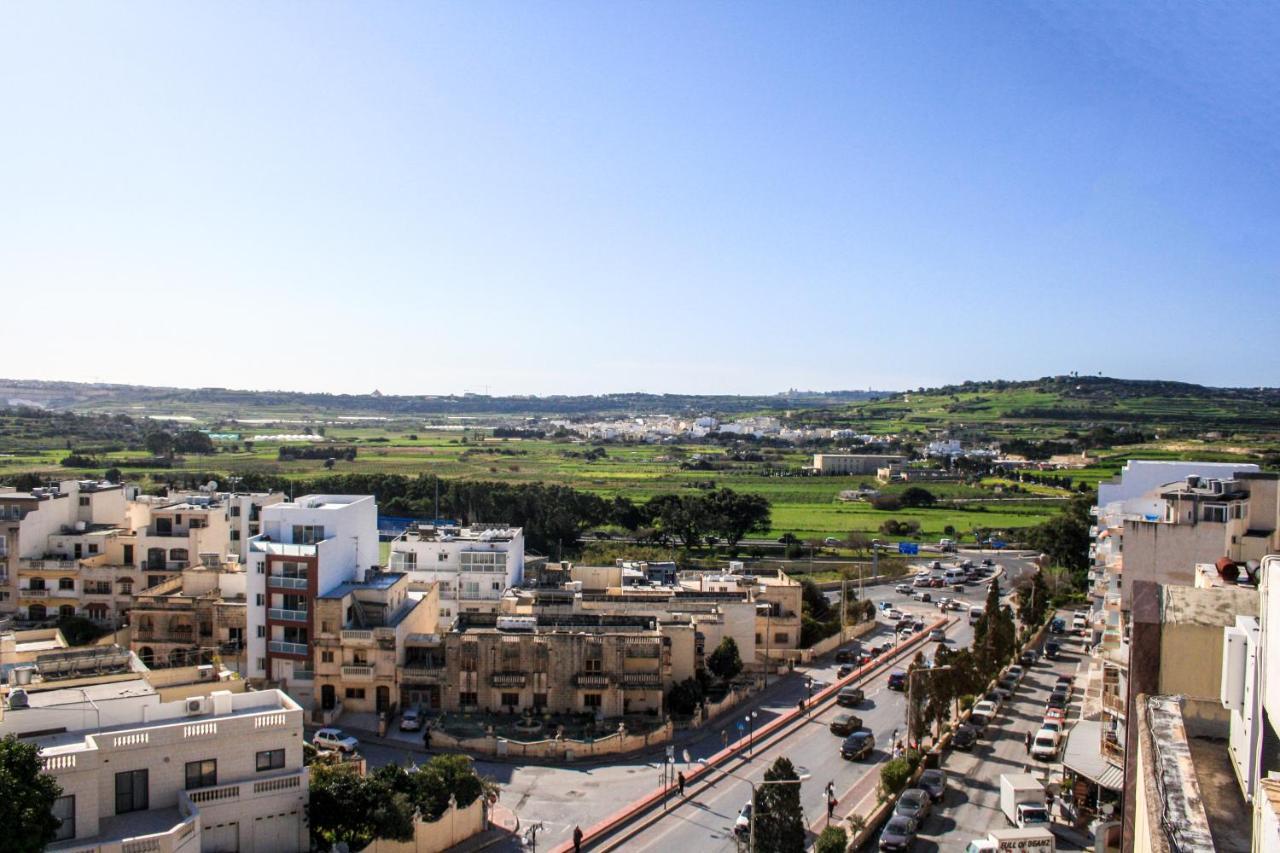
(938, 583)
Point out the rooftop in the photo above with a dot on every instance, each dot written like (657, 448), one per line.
(1177, 804)
(1214, 607)
(450, 533)
(374, 580)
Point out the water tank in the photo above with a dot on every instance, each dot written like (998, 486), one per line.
(18, 699)
(23, 674)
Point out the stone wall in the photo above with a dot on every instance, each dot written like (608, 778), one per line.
(453, 827)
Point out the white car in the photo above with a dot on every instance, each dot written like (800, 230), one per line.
(894, 614)
(742, 826)
(410, 720)
(1015, 671)
(986, 708)
(1045, 745)
(334, 739)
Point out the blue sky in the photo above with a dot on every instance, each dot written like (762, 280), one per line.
(590, 197)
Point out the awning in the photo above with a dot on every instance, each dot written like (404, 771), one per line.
(1083, 755)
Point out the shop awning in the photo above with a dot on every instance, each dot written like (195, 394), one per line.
(1083, 755)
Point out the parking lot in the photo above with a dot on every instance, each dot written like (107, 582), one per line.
(971, 805)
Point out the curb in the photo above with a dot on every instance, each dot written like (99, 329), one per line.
(622, 817)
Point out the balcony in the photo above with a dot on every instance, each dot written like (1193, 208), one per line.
(1114, 703)
(51, 564)
(281, 647)
(591, 679)
(35, 593)
(642, 680)
(282, 582)
(358, 636)
(422, 640)
(357, 672)
(303, 674)
(508, 679)
(287, 615)
(416, 673)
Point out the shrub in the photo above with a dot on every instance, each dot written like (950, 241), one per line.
(894, 775)
(832, 840)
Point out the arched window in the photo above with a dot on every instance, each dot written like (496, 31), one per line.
(66, 583)
(147, 655)
(36, 612)
(66, 611)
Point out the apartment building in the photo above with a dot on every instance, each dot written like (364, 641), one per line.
(777, 598)
(307, 547)
(42, 534)
(244, 516)
(853, 463)
(221, 771)
(472, 566)
(368, 632)
(194, 618)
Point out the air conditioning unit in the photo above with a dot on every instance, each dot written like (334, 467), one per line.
(197, 706)
(205, 672)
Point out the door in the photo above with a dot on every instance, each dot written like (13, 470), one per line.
(327, 697)
(222, 838)
(384, 700)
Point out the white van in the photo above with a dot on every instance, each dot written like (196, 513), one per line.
(975, 613)
(954, 576)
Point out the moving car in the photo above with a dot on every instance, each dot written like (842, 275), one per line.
(914, 803)
(858, 745)
(330, 738)
(866, 658)
(410, 720)
(934, 782)
(903, 588)
(845, 724)
(938, 635)
(965, 737)
(850, 696)
(742, 825)
(923, 596)
(1058, 626)
(845, 670)
(898, 834)
(897, 680)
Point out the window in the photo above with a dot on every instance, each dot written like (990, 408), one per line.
(262, 664)
(512, 699)
(497, 585)
(128, 555)
(355, 692)
(781, 637)
(262, 631)
(64, 809)
(132, 791)
(271, 759)
(235, 534)
(594, 665)
(307, 534)
(592, 700)
(202, 774)
(66, 583)
(84, 501)
(235, 513)
(261, 600)
(36, 583)
(441, 557)
(326, 657)
(1215, 512)
(759, 640)
(93, 549)
(468, 700)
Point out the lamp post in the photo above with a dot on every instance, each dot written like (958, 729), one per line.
(755, 787)
(750, 720)
(808, 683)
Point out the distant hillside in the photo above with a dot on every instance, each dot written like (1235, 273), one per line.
(1067, 403)
(221, 402)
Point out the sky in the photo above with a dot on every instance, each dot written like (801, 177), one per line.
(565, 197)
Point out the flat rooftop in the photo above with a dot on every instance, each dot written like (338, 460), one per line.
(449, 533)
(379, 581)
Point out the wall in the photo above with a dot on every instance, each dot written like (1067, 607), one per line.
(554, 748)
(453, 827)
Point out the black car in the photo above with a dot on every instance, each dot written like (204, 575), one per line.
(846, 656)
(1059, 700)
(965, 737)
(847, 669)
(1058, 626)
(1052, 650)
(857, 745)
(917, 625)
(898, 834)
(978, 722)
(915, 803)
(934, 782)
(897, 680)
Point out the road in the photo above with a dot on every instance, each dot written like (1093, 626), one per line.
(562, 797)
(972, 802)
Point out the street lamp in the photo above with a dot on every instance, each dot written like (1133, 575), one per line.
(802, 776)
(750, 720)
(808, 683)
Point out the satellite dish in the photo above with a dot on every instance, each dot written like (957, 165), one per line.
(211, 486)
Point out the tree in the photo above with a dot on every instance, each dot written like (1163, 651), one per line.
(160, 443)
(780, 826)
(725, 662)
(857, 540)
(346, 808)
(112, 475)
(681, 516)
(1033, 600)
(1065, 537)
(683, 697)
(732, 515)
(915, 496)
(193, 441)
(917, 683)
(26, 804)
(813, 600)
(832, 840)
(624, 513)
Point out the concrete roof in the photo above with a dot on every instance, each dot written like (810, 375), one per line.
(1214, 607)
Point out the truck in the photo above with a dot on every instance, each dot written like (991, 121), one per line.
(1032, 840)
(1022, 800)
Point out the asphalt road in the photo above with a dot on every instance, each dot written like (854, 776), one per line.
(562, 797)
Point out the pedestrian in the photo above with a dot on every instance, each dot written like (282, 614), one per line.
(1027, 741)
(680, 782)
(831, 808)
(577, 839)
(426, 738)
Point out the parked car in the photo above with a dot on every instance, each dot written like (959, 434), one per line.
(923, 596)
(914, 803)
(1015, 672)
(1005, 687)
(850, 696)
(844, 671)
(845, 724)
(410, 720)
(917, 625)
(831, 542)
(937, 583)
(965, 737)
(987, 561)
(1055, 715)
(1029, 657)
(845, 656)
(742, 825)
(1045, 745)
(934, 782)
(1058, 626)
(897, 680)
(334, 739)
(858, 745)
(865, 658)
(1052, 650)
(898, 834)
(937, 635)
(979, 720)
(895, 614)
(1059, 700)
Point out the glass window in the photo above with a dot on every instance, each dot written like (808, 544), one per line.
(64, 809)
(511, 699)
(202, 774)
(592, 700)
(66, 583)
(132, 791)
(271, 759)
(355, 692)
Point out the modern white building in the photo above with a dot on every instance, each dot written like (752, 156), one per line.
(244, 511)
(307, 547)
(221, 771)
(473, 565)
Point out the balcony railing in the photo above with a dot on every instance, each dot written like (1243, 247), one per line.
(35, 593)
(287, 615)
(48, 564)
(644, 680)
(422, 640)
(283, 648)
(357, 635)
(303, 674)
(591, 679)
(508, 679)
(359, 671)
(282, 582)
(420, 673)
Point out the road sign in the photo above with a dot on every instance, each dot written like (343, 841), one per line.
(741, 725)
(998, 543)
(908, 548)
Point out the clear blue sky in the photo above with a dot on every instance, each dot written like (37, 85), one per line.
(588, 197)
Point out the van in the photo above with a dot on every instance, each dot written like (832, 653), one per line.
(954, 576)
(975, 613)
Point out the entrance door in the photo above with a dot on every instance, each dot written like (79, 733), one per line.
(384, 699)
(327, 697)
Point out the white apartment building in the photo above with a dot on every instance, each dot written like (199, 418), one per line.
(473, 565)
(244, 513)
(222, 771)
(306, 548)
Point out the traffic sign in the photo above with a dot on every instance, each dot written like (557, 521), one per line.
(908, 548)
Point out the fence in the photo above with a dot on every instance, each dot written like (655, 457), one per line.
(453, 827)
